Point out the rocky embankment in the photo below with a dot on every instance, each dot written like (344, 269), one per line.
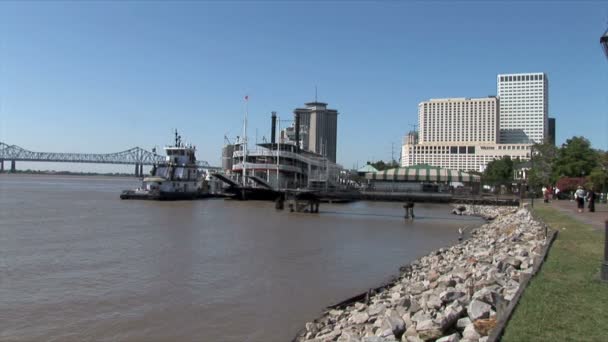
(453, 294)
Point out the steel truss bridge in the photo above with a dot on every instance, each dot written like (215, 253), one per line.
(135, 156)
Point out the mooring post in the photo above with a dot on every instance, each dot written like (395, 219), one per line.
(279, 203)
(409, 209)
(604, 274)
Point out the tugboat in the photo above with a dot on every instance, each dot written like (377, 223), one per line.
(177, 178)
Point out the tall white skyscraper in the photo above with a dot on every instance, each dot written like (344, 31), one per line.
(523, 107)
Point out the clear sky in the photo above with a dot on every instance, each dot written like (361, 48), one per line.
(107, 76)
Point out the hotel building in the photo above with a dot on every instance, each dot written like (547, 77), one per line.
(458, 134)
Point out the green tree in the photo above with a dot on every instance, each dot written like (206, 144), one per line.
(381, 165)
(575, 158)
(499, 171)
(598, 178)
(542, 171)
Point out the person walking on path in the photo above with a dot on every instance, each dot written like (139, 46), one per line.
(579, 196)
(591, 199)
(545, 191)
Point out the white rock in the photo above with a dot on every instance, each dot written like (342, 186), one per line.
(360, 317)
(451, 338)
(478, 309)
(470, 333)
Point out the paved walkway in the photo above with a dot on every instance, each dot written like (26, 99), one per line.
(596, 219)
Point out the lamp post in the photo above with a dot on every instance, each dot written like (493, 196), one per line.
(530, 186)
(604, 272)
(604, 42)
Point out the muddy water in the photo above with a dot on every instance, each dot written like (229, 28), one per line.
(78, 264)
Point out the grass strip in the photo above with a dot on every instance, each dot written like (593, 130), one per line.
(566, 301)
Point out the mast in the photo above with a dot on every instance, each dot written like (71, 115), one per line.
(244, 142)
(279, 156)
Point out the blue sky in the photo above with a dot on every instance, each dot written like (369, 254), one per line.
(106, 76)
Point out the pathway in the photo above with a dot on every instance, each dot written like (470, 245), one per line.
(595, 219)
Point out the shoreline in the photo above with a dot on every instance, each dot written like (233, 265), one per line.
(465, 292)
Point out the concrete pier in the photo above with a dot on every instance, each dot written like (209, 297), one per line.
(13, 166)
(1, 165)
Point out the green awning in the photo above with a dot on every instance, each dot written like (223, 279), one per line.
(422, 173)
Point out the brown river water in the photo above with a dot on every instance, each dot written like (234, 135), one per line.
(79, 264)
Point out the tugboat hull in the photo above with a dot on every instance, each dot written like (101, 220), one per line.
(254, 194)
(164, 196)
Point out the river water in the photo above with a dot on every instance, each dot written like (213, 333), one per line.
(79, 264)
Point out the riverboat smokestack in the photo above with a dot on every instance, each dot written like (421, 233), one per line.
(297, 130)
(273, 129)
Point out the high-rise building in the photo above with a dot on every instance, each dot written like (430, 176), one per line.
(459, 134)
(551, 131)
(523, 107)
(318, 129)
(458, 120)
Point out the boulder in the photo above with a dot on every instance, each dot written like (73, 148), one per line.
(416, 288)
(360, 317)
(455, 337)
(348, 337)
(360, 306)
(376, 309)
(433, 302)
(312, 327)
(428, 330)
(394, 322)
(450, 295)
(484, 326)
(478, 309)
(463, 322)
(470, 333)
(420, 316)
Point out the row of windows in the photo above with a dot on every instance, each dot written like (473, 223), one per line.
(521, 78)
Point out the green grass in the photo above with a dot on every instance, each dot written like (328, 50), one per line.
(566, 301)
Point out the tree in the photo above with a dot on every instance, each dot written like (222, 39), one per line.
(541, 165)
(575, 158)
(499, 171)
(381, 165)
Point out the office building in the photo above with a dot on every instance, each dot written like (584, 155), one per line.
(523, 107)
(318, 129)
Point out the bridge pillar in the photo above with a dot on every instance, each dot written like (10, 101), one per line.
(141, 170)
(1, 165)
(136, 170)
(13, 166)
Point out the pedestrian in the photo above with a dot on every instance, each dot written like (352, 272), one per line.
(591, 195)
(556, 193)
(579, 196)
(544, 189)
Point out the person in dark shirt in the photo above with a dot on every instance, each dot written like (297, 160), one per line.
(591, 200)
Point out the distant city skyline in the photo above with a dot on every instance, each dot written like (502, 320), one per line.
(104, 77)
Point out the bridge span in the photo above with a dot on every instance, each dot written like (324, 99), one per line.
(135, 156)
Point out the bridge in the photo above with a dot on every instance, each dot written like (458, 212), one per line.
(135, 156)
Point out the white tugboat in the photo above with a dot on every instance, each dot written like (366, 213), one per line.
(177, 178)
